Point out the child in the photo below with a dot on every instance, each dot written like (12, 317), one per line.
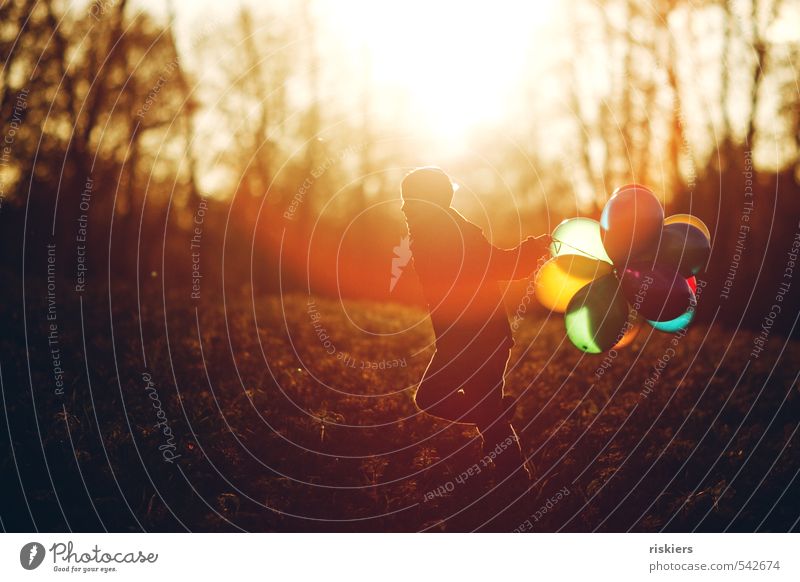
(459, 270)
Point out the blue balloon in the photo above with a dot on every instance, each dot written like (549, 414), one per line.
(674, 325)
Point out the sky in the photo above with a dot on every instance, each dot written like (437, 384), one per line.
(457, 64)
(446, 68)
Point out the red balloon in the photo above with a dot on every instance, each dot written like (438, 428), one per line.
(631, 224)
(656, 294)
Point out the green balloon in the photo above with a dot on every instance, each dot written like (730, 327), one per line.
(579, 236)
(596, 315)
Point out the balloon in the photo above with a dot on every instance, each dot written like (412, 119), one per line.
(631, 223)
(596, 315)
(631, 330)
(682, 321)
(561, 277)
(633, 253)
(578, 236)
(656, 294)
(683, 248)
(674, 325)
(689, 219)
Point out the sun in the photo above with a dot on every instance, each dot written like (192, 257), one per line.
(457, 65)
(440, 68)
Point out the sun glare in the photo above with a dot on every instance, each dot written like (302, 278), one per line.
(457, 64)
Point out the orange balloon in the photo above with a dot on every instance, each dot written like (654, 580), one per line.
(629, 335)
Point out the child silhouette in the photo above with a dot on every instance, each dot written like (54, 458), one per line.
(459, 270)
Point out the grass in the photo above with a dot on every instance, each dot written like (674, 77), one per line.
(291, 417)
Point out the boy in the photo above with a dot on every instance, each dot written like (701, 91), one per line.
(459, 270)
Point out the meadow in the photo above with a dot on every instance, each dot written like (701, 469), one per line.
(296, 414)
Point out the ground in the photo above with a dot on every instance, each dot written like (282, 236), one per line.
(298, 415)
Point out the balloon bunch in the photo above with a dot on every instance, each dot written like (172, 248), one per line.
(633, 265)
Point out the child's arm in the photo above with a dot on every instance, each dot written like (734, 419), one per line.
(519, 262)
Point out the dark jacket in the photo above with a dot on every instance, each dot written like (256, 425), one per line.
(459, 270)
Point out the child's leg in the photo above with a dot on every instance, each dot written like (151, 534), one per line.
(484, 391)
(501, 442)
(480, 402)
(464, 387)
(439, 393)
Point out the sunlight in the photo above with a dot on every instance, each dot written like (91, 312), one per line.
(458, 64)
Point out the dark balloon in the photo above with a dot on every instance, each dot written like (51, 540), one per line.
(631, 223)
(596, 316)
(684, 248)
(656, 294)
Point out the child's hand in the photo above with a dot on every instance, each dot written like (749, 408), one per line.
(534, 247)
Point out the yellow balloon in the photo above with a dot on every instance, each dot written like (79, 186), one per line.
(689, 219)
(561, 277)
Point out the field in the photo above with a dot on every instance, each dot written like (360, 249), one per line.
(298, 416)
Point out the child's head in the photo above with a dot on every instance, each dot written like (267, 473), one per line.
(428, 184)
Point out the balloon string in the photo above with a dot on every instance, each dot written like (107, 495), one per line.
(561, 242)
